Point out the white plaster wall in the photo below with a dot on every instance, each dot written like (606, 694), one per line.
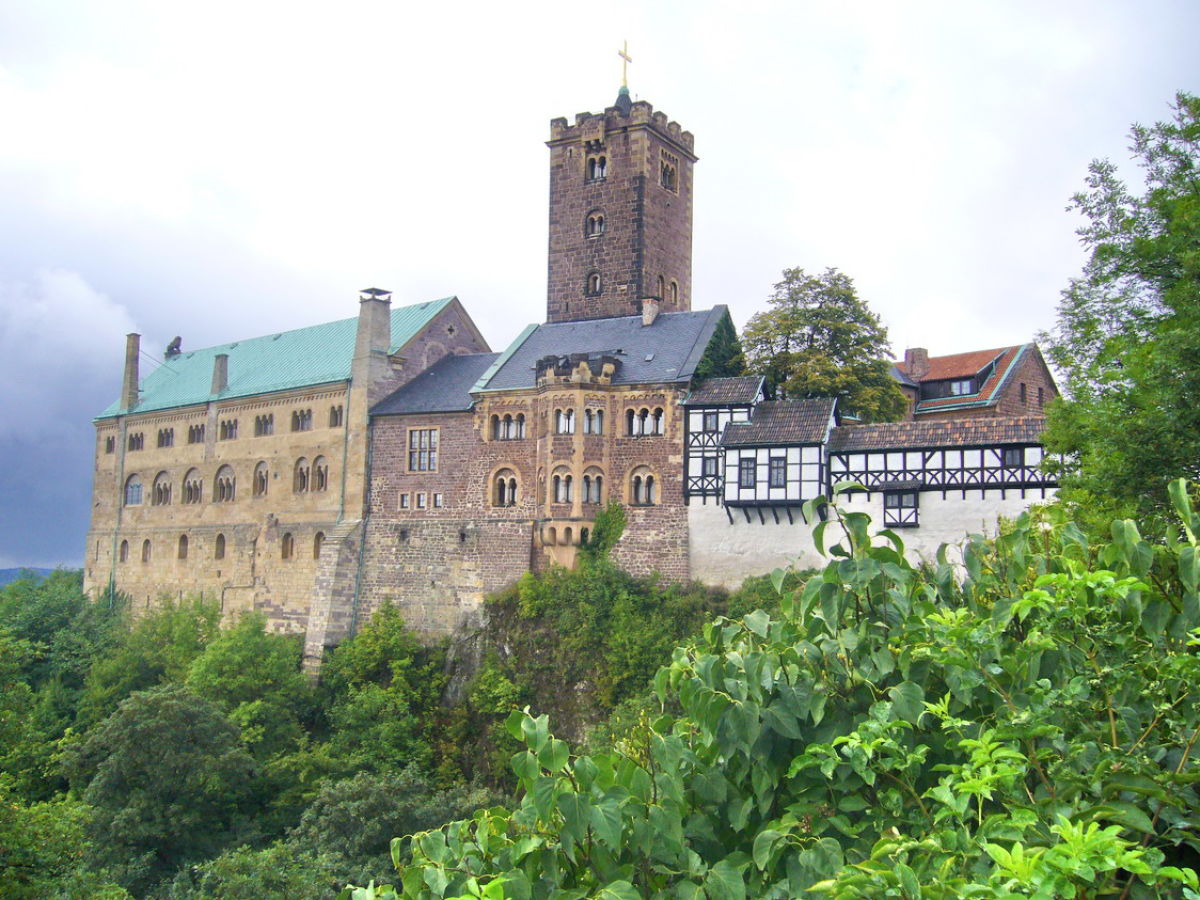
(725, 554)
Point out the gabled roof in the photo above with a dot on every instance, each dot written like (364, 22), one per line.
(989, 392)
(443, 387)
(666, 351)
(738, 391)
(956, 365)
(319, 354)
(775, 422)
(975, 432)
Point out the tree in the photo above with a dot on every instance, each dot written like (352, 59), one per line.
(169, 780)
(1127, 339)
(819, 339)
(723, 357)
(255, 677)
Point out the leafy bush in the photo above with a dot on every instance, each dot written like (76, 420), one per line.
(1021, 723)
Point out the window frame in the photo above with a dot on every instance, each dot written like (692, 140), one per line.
(747, 473)
(422, 458)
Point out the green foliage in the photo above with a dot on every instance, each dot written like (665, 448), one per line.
(169, 780)
(723, 357)
(255, 677)
(1128, 334)
(385, 689)
(246, 873)
(157, 646)
(819, 339)
(607, 528)
(41, 847)
(1022, 724)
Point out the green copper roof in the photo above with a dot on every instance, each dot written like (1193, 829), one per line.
(319, 354)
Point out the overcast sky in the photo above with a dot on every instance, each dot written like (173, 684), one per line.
(228, 169)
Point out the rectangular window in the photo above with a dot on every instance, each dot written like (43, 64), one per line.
(900, 509)
(422, 449)
(709, 465)
(421, 500)
(746, 472)
(1022, 392)
(404, 501)
(961, 388)
(1014, 457)
(710, 421)
(437, 501)
(1041, 397)
(777, 472)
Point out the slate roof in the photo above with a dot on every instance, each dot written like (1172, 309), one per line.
(666, 351)
(725, 391)
(319, 354)
(977, 432)
(782, 422)
(443, 387)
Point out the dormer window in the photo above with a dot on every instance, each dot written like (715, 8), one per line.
(961, 387)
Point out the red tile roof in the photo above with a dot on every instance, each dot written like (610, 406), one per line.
(957, 365)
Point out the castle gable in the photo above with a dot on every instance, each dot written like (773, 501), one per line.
(319, 354)
(664, 352)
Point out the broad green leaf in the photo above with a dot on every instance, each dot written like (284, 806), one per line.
(908, 701)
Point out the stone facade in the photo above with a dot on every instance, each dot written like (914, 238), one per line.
(249, 499)
(620, 213)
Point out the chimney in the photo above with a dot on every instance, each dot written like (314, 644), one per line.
(371, 368)
(916, 363)
(649, 310)
(220, 372)
(129, 386)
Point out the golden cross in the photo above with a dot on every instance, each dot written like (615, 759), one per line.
(626, 59)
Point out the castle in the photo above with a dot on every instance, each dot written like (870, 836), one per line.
(317, 473)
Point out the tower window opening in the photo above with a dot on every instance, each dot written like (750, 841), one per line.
(595, 225)
(597, 168)
(593, 285)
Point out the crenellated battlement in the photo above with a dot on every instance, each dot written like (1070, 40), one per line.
(590, 126)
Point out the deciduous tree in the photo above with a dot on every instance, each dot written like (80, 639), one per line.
(820, 339)
(1128, 334)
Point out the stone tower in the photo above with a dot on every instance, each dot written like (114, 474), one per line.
(620, 213)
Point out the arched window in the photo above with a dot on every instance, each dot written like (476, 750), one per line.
(320, 474)
(146, 551)
(564, 421)
(496, 434)
(133, 491)
(160, 495)
(261, 480)
(597, 168)
(656, 419)
(593, 486)
(219, 547)
(318, 543)
(192, 486)
(594, 226)
(336, 415)
(224, 489)
(598, 422)
(123, 555)
(592, 286)
(504, 488)
(183, 546)
(564, 488)
(264, 425)
(643, 489)
(662, 288)
(302, 420)
(287, 547)
(300, 475)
